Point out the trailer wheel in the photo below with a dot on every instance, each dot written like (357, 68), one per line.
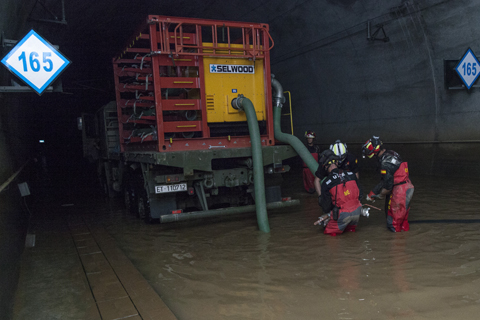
(128, 201)
(129, 198)
(143, 207)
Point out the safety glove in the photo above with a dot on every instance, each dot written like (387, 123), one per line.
(372, 196)
(366, 212)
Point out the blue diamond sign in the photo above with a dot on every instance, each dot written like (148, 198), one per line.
(468, 68)
(35, 61)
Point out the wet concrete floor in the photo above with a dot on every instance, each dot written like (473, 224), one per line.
(225, 268)
(72, 268)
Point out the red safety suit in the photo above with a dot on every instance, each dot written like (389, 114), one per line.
(397, 203)
(308, 177)
(395, 177)
(340, 189)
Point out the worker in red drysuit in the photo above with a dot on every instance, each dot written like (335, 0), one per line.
(339, 197)
(314, 149)
(395, 184)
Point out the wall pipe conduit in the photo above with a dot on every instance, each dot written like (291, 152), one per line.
(244, 104)
(9, 180)
(297, 145)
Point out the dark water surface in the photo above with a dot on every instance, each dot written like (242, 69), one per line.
(228, 269)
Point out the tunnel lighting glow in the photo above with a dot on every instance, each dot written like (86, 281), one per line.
(41, 141)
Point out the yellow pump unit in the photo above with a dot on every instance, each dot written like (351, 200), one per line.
(225, 78)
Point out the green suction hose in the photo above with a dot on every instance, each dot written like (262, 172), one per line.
(242, 103)
(296, 144)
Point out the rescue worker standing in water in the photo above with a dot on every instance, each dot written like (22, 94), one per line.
(340, 196)
(395, 184)
(308, 177)
(347, 160)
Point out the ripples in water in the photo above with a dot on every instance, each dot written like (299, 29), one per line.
(226, 268)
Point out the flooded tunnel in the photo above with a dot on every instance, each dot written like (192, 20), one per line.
(224, 267)
(351, 69)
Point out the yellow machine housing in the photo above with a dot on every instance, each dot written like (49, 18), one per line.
(222, 87)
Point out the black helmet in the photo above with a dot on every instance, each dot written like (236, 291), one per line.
(327, 158)
(372, 147)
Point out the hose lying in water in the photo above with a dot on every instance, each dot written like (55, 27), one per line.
(446, 221)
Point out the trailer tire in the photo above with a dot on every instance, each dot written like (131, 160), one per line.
(143, 207)
(129, 198)
(105, 188)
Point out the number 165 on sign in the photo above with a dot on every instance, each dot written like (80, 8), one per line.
(35, 61)
(468, 68)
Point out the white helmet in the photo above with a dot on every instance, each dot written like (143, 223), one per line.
(340, 150)
(310, 134)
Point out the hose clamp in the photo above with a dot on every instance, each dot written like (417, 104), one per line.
(237, 102)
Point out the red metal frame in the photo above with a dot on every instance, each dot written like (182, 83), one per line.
(157, 48)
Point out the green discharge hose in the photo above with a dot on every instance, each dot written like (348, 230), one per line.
(296, 144)
(242, 103)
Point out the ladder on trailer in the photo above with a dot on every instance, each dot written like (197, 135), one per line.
(160, 86)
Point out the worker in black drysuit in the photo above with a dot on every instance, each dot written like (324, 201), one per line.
(314, 149)
(347, 161)
(395, 184)
(340, 196)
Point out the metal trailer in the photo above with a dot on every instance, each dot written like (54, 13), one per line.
(191, 133)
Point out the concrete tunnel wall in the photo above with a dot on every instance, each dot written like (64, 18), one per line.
(346, 87)
(15, 143)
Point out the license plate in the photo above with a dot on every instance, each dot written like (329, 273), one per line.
(171, 188)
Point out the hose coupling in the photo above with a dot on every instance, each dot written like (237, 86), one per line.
(237, 102)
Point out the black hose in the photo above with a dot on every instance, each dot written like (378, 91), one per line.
(447, 221)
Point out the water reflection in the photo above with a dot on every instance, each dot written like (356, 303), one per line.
(226, 268)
